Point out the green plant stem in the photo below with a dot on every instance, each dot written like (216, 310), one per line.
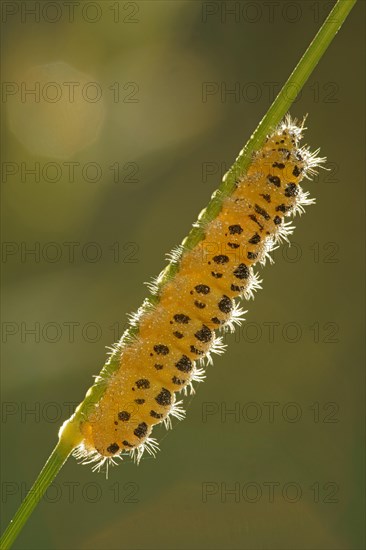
(54, 463)
(70, 435)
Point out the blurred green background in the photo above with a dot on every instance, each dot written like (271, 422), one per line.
(121, 170)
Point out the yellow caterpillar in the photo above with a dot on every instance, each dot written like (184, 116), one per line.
(176, 336)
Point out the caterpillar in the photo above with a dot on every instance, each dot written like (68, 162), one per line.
(178, 332)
